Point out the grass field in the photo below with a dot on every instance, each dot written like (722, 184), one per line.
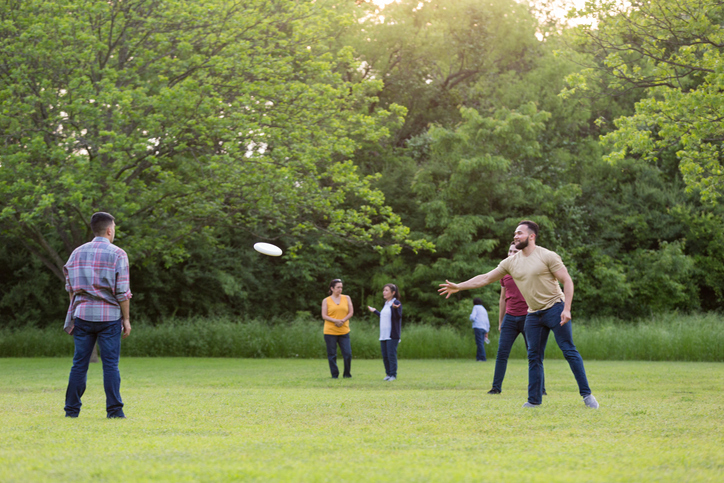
(286, 420)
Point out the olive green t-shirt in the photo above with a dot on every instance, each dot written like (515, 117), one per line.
(534, 277)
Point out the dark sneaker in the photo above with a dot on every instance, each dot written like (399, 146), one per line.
(493, 391)
(544, 392)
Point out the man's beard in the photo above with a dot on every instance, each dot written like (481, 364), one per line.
(522, 244)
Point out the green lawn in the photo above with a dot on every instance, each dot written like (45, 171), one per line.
(286, 420)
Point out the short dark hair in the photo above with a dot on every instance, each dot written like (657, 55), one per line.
(395, 291)
(333, 284)
(532, 226)
(477, 301)
(100, 222)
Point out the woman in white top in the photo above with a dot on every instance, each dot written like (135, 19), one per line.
(390, 328)
(481, 327)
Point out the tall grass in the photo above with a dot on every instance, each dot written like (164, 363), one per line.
(668, 337)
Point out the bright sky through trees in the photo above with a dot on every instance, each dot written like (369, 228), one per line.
(565, 5)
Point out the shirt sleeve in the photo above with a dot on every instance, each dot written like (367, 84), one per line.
(398, 309)
(68, 288)
(123, 279)
(503, 265)
(554, 262)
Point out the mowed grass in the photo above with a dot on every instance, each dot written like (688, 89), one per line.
(287, 420)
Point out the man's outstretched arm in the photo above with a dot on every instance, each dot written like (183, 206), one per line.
(449, 288)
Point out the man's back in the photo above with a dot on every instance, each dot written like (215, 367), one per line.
(97, 278)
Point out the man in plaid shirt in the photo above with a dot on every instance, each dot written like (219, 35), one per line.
(97, 280)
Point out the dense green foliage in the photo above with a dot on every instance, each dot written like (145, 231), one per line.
(673, 337)
(674, 50)
(395, 146)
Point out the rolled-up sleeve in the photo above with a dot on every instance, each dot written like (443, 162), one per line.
(123, 279)
(68, 288)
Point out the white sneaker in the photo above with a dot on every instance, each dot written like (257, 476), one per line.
(590, 401)
(392, 378)
(387, 378)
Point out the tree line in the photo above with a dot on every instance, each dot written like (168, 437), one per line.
(375, 145)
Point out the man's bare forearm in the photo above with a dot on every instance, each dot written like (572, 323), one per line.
(481, 280)
(568, 294)
(126, 309)
(475, 282)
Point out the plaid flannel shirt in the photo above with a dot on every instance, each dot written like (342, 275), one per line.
(97, 277)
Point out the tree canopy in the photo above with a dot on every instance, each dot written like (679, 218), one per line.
(180, 116)
(399, 145)
(673, 49)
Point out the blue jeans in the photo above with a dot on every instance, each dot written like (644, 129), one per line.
(389, 355)
(512, 327)
(537, 327)
(85, 335)
(346, 348)
(480, 342)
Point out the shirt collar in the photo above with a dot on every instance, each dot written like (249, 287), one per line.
(101, 239)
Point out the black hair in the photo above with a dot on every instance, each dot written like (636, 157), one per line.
(100, 222)
(532, 226)
(395, 291)
(333, 284)
(477, 301)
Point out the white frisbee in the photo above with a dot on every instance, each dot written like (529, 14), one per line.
(268, 249)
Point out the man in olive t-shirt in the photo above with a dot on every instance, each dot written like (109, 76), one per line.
(538, 273)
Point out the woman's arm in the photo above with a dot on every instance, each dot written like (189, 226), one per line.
(397, 307)
(324, 313)
(350, 311)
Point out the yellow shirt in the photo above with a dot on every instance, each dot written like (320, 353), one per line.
(337, 312)
(534, 277)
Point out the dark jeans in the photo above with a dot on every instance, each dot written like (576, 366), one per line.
(389, 355)
(537, 327)
(512, 327)
(480, 342)
(85, 335)
(346, 348)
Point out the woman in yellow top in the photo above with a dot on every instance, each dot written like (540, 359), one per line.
(336, 311)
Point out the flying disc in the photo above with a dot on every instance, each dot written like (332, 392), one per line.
(268, 249)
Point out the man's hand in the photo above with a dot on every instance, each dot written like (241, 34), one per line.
(448, 288)
(565, 317)
(126, 328)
